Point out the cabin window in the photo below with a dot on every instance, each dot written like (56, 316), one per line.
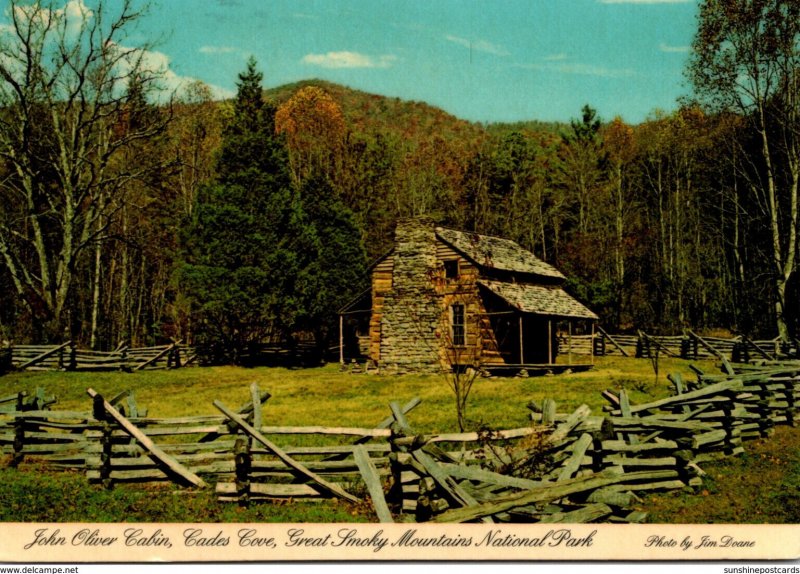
(451, 269)
(458, 324)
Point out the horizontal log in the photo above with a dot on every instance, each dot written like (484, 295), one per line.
(225, 463)
(590, 424)
(622, 446)
(53, 437)
(470, 436)
(618, 460)
(51, 415)
(409, 477)
(326, 450)
(322, 430)
(66, 427)
(341, 476)
(129, 476)
(178, 430)
(588, 513)
(708, 438)
(619, 499)
(171, 448)
(41, 449)
(648, 423)
(649, 486)
(316, 465)
(272, 490)
(163, 431)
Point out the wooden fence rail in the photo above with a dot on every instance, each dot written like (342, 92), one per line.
(575, 467)
(68, 357)
(691, 346)
(563, 467)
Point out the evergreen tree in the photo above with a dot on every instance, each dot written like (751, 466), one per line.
(334, 260)
(241, 245)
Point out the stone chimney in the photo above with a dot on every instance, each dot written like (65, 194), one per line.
(412, 312)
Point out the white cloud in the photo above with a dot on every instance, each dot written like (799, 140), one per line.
(591, 70)
(674, 49)
(581, 69)
(72, 16)
(157, 65)
(75, 14)
(347, 59)
(479, 45)
(556, 57)
(218, 50)
(645, 1)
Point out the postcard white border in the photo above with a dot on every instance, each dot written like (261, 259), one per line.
(265, 542)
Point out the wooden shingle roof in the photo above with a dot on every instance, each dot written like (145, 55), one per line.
(538, 299)
(497, 253)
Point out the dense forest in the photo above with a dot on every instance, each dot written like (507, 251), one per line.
(130, 215)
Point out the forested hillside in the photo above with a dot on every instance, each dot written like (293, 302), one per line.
(117, 208)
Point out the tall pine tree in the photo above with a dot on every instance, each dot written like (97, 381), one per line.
(333, 266)
(241, 247)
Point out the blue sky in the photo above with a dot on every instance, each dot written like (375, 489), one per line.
(500, 60)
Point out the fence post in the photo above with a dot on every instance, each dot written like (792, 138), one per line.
(244, 464)
(548, 412)
(791, 408)
(740, 352)
(19, 441)
(685, 346)
(73, 359)
(727, 424)
(99, 411)
(642, 346)
(599, 346)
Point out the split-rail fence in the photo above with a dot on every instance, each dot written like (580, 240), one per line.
(577, 466)
(690, 345)
(68, 357)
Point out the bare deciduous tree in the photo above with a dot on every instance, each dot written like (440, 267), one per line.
(746, 59)
(67, 75)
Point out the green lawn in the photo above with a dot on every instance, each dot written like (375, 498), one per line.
(329, 397)
(326, 396)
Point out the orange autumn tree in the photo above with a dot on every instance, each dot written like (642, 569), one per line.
(314, 127)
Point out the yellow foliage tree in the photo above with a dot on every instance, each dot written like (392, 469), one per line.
(315, 131)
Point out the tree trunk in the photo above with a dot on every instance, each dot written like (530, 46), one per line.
(95, 296)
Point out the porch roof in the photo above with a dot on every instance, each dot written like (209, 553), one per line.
(538, 299)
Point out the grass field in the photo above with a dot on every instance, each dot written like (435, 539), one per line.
(326, 396)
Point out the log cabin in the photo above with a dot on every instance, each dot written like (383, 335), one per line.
(447, 299)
